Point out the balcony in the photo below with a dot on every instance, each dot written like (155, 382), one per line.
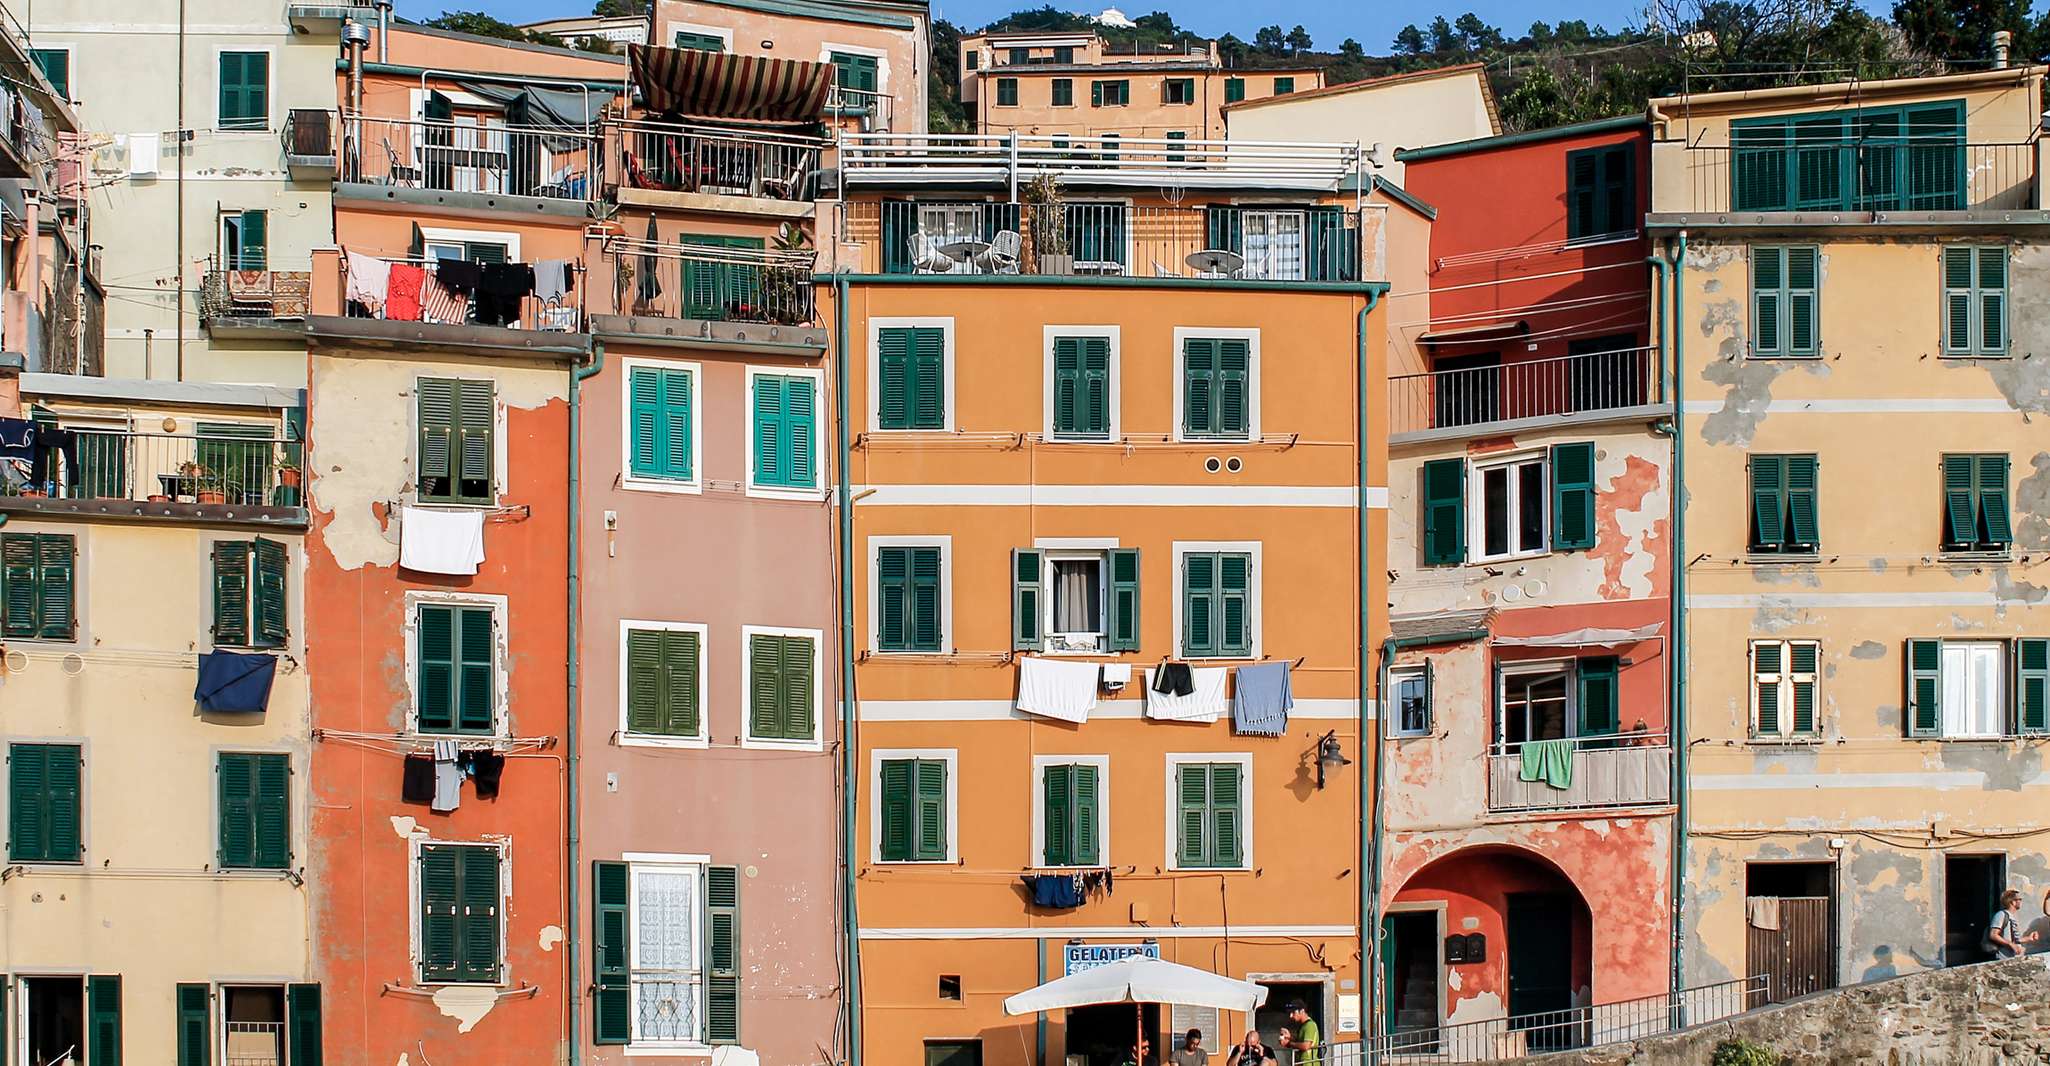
(1630, 770)
(467, 166)
(228, 472)
(1219, 243)
(253, 1044)
(661, 164)
(1162, 163)
(253, 303)
(1897, 181)
(1532, 394)
(726, 294)
(325, 17)
(309, 142)
(463, 312)
(872, 111)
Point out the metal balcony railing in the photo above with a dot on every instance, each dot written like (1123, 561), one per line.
(253, 1044)
(711, 282)
(248, 466)
(872, 108)
(309, 132)
(1626, 770)
(1566, 385)
(459, 156)
(445, 305)
(1220, 242)
(1882, 175)
(228, 291)
(1538, 1033)
(1161, 162)
(708, 159)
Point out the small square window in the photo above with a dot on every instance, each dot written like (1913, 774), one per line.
(1410, 690)
(950, 987)
(1178, 91)
(1007, 92)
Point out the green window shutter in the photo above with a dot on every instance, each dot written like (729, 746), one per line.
(270, 569)
(1991, 304)
(245, 90)
(895, 378)
(923, 600)
(1996, 532)
(896, 811)
(659, 417)
(893, 598)
(722, 955)
(474, 403)
(1583, 178)
(474, 712)
(795, 674)
(1095, 94)
(929, 365)
(435, 649)
(1122, 623)
(1572, 496)
(2032, 685)
(1959, 301)
(55, 63)
(1801, 530)
(911, 369)
(103, 1020)
(1026, 577)
(780, 696)
(1007, 92)
(1192, 824)
(1768, 301)
(1925, 687)
(251, 249)
(231, 593)
(1199, 604)
(1234, 604)
(1802, 656)
(1444, 512)
(480, 901)
(702, 42)
(1284, 86)
(1234, 369)
(855, 71)
(1960, 502)
(681, 661)
(302, 1024)
(435, 399)
(1234, 90)
(195, 1027)
(456, 429)
(1175, 154)
(1199, 386)
(1067, 384)
(1095, 397)
(1802, 299)
(1063, 92)
(784, 431)
(43, 782)
(1227, 822)
(1085, 802)
(1597, 675)
(1059, 817)
(930, 795)
(440, 911)
(1768, 503)
(611, 972)
(1767, 670)
(237, 773)
(20, 574)
(647, 698)
(1081, 386)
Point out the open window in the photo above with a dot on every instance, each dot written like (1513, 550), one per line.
(1082, 600)
(1510, 512)
(67, 1018)
(1556, 700)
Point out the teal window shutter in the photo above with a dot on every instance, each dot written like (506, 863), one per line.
(1284, 86)
(37, 585)
(1801, 301)
(895, 808)
(1785, 316)
(1975, 301)
(1122, 623)
(245, 90)
(1925, 687)
(1802, 534)
(702, 42)
(855, 71)
(231, 593)
(1175, 154)
(1975, 503)
(722, 955)
(1597, 676)
(2032, 685)
(55, 63)
(270, 569)
(611, 972)
(1572, 496)
(1783, 504)
(252, 241)
(1996, 531)
(911, 378)
(103, 1020)
(1802, 667)
(1444, 512)
(785, 434)
(255, 810)
(1215, 387)
(1070, 817)
(456, 656)
(1768, 667)
(43, 789)
(1234, 90)
(1200, 606)
(303, 1025)
(195, 1026)
(660, 405)
(1027, 620)
(456, 425)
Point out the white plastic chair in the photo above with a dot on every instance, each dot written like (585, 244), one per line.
(1005, 250)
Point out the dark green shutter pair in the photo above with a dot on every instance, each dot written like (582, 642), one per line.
(1216, 395)
(701, 42)
(911, 369)
(456, 423)
(1234, 90)
(784, 409)
(245, 90)
(1081, 387)
(1210, 820)
(662, 682)
(456, 653)
(1783, 676)
(1072, 827)
(659, 414)
(908, 599)
(1573, 504)
(1601, 191)
(855, 71)
(1975, 301)
(2030, 700)
(1873, 159)
(460, 913)
(719, 289)
(1120, 603)
(1007, 92)
(1178, 91)
(1785, 315)
(1063, 92)
(1598, 679)
(612, 954)
(1975, 512)
(302, 1025)
(251, 247)
(914, 810)
(1217, 617)
(256, 810)
(249, 593)
(55, 63)
(37, 585)
(1783, 504)
(44, 783)
(780, 688)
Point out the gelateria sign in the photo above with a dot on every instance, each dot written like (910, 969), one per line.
(1076, 958)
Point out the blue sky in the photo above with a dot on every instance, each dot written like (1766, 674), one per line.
(1329, 21)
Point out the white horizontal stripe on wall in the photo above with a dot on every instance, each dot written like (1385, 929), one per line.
(1868, 407)
(1924, 780)
(1116, 496)
(1069, 932)
(1746, 601)
(1006, 710)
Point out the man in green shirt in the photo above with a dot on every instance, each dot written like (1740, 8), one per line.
(1307, 1041)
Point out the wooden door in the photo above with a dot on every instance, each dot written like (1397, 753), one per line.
(1797, 958)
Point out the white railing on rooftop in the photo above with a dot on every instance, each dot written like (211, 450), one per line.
(1109, 159)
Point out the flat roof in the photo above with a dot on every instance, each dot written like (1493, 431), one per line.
(1852, 90)
(1505, 140)
(174, 393)
(1370, 83)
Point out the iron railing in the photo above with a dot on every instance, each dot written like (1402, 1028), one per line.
(1078, 239)
(253, 1044)
(1565, 385)
(245, 465)
(1163, 162)
(1625, 770)
(711, 282)
(872, 108)
(1540, 1032)
(309, 131)
(676, 158)
(440, 304)
(229, 291)
(1885, 175)
(457, 156)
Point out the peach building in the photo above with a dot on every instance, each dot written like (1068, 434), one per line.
(878, 48)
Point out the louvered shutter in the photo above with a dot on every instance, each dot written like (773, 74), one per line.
(646, 709)
(270, 563)
(611, 972)
(252, 247)
(895, 810)
(1996, 530)
(38, 576)
(895, 378)
(474, 711)
(765, 690)
(771, 465)
(1958, 300)
(1227, 822)
(1095, 94)
(1067, 385)
(923, 600)
(929, 371)
(1122, 623)
(893, 598)
(1572, 496)
(436, 420)
(20, 573)
(1192, 798)
(722, 955)
(1444, 512)
(231, 593)
(1925, 687)
(1802, 656)
(1619, 190)
(28, 801)
(1801, 532)
(1767, 671)
(1582, 181)
(1803, 313)
(1234, 395)
(103, 1020)
(1992, 300)
(440, 911)
(1026, 578)
(675, 455)
(480, 901)
(1936, 165)
(195, 1027)
(303, 1024)
(1960, 502)
(1768, 311)
(1768, 502)
(1199, 604)
(1085, 800)
(794, 676)
(1059, 816)
(1199, 387)
(435, 649)
(237, 773)
(1095, 396)
(1821, 157)
(644, 421)
(682, 656)
(475, 401)
(1758, 175)
(1597, 676)
(1234, 604)
(799, 414)
(931, 804)
(2032, 685)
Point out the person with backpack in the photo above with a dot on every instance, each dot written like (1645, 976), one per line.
(2004, 936)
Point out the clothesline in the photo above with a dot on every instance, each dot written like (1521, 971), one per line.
(405, 743)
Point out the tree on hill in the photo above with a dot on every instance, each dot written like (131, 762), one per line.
(1962, 30)
(483, 25)
(1410, 41)
(620, 8)
(1443, 37)
(1271, 40)
(1350, 49)
(1298, 41)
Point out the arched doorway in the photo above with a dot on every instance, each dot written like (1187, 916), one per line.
(1488, 933)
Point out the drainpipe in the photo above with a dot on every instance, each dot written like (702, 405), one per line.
(1370, 866)
(1677, 265)
(850, 928)
(577, 374)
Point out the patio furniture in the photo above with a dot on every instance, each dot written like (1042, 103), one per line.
(1216, 263)
(1005, 252)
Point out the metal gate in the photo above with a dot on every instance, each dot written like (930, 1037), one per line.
(1799, 956)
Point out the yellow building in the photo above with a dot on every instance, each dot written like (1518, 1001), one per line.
(1868, 503)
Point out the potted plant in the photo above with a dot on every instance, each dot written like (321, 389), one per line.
(1046, 231)
(193, 482)
(288, 475)
(786, 290)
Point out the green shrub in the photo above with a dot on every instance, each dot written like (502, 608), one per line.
(1744, 1053)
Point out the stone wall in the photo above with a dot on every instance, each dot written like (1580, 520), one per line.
(1980, 1015)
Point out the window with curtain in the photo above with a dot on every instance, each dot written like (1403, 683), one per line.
(1536, 705)
(667, 972)
(1274, 244)
(1974, 681)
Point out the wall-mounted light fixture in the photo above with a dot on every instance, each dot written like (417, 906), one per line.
(1330, 755)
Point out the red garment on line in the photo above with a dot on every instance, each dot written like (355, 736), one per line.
(402, 295)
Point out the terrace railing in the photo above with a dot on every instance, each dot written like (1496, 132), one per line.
(248, 466)
(1165, 162)
(444, 306)
(711, 282)
(1787, 174)
(1517, 1036)
(227, 291)
(1561, 386)
(708, 159)
(455, 156)
(1628, 770)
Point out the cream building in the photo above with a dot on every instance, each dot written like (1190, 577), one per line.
(1418, 109)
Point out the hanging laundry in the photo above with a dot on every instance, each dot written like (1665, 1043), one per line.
(1550, 761)
(1204, 703)
(485, 768)
(448, 778)
(433, 541)
(1056, 891)
(441, 303)
(552, 279)
(460, 274)
(1173, 679)
(1094, 884)
(499, 294)
(231, 681)
(416, 785)
(1057, 688)
(18, 438)
(402, 293)
(1262, 700)
(1117, 675)
(369, 281)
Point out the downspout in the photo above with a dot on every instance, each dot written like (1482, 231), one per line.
(1370, 866)
(850, 928)
(1677, 265)
(577, 374)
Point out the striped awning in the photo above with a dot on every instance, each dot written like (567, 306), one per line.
(686, 83)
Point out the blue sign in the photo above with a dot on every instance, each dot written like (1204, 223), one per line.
(1076, 958)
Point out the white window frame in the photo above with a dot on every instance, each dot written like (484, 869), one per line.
(876, 326)
(723, 33)
(945, 543)
(1184, 334)
(1255, 621)
(627, 479)
(501, 644)
(217, 1011)
(1050, 548)
(1272, 241)
(882, 58)
(1171, 808)
(818, 689)
(1999, 697)
(294, 579)
(1037, 804)
(270, 90)
(500, 474)
(1116, 383)
(1397, 675)
(419, 839)
(627, 737)
(818, 426)
(876, 758)
(430, 235)
(1565, 667)
(1476, 504)
(292, 811)
(688, 864)
(1784, 681)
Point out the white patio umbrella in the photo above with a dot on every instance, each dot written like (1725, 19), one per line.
(1139, 979)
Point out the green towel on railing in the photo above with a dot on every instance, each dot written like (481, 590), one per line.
(1550, 761)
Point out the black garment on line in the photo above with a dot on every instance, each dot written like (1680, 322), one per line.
(417, 786)
(64, 443)
(1173, 678)
(18, 438)
(460, 275)
(500, 293)
(485, 768)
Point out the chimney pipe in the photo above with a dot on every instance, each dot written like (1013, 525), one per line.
(383, 31)
(2002, 41)
(354, 36)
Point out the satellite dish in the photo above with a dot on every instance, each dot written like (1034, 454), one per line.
(1377, 155)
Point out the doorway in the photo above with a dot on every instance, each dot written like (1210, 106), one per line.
(53, 1018)
(1410, 969)
(1790, 927)
(1272, 1016)
(1971, 893)
(1102, 1035)
(1540, 930)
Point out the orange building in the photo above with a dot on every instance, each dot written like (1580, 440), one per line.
(1093, 438)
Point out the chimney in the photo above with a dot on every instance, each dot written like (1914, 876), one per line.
(2002, 41)
(355, 36)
